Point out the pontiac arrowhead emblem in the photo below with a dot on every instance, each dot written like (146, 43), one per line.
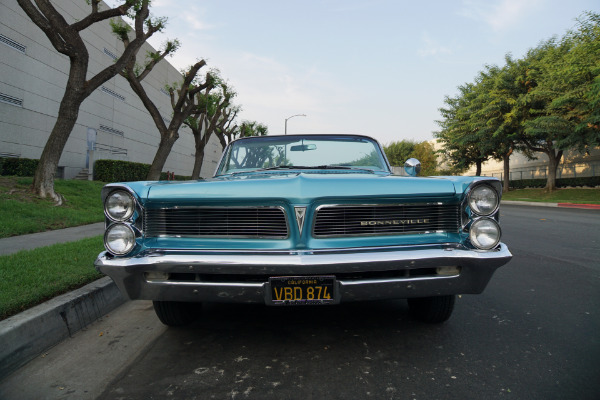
(300, 214)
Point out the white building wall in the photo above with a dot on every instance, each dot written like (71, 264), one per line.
(37, 77)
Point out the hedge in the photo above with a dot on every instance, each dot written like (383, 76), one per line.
(125, 171)
(592, 181)
(18, 166)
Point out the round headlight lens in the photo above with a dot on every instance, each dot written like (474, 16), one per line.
(485, 233)
(119, 239)
(119, 205)
(483, 200)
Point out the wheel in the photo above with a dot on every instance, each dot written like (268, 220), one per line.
(433, 310)
(173, 313)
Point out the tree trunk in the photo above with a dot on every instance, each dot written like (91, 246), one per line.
(198, 163)
(506, 161)
(43, 180)
(199, 157)
(167, 141)
(478, 170)
(553, 162)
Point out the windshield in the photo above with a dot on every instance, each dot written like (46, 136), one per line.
(311, 151)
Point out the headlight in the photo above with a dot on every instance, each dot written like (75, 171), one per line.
(483, 200)
(119, 239)
(485, 233)
(119, 205)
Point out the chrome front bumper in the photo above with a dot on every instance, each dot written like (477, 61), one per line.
(233, 267)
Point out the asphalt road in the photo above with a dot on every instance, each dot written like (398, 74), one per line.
(533, 334)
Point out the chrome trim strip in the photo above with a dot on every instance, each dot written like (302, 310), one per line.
(269, 252)
(318, 263)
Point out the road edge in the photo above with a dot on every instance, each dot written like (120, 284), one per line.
(542, 204)
(30, 333)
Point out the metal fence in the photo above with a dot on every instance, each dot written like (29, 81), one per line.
(567, 170)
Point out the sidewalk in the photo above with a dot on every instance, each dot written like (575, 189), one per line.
(32, 332)
(32, 241)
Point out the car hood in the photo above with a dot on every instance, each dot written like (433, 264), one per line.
(298, 187)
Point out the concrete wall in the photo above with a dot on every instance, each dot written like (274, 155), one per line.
(32, 80)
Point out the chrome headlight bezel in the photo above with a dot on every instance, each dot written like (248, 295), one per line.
(130, 238)
(483, 190)
(475, 233)
(126, 197)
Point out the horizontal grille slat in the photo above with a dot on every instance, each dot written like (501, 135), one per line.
(247, 222)
(372, 220)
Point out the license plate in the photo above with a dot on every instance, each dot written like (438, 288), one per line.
(302, 290)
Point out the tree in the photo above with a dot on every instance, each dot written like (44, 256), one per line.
(183, 99)
(66, 39)
(425, 153)
(229, 130)
(398, 152)
(212, 113)
(548, 101)
(458, 134)
(499, 125)
(246, 129)
(564, 101)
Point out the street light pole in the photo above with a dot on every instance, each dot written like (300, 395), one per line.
(297, 115)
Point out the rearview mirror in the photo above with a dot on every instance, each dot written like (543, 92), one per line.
(303, 147)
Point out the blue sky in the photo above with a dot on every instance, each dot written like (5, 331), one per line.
(379, 68)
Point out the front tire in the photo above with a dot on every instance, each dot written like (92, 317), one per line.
(433, 310)
(174, 313)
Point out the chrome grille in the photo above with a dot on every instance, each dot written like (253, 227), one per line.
(392, 219)
(241, 222)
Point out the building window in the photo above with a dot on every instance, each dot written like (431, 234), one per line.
(112, 93)
(111, 130)
(15, 45)
(4, 98)
(110, 54)
(110, 149)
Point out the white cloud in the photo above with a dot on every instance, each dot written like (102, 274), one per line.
(500, 14)
(432, 47)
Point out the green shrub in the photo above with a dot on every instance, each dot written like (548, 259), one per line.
(125, 171)
(575, 182)
(18, 166)
(561, 183)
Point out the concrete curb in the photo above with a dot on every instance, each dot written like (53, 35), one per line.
(562, 205)
(30, 333)
(527, 203)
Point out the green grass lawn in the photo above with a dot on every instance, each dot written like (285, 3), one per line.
(581, 196)
(30, 277)
(22, 212)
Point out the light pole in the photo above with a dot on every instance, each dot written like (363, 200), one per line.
(297, 115)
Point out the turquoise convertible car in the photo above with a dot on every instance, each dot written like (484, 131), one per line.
(303, 220)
